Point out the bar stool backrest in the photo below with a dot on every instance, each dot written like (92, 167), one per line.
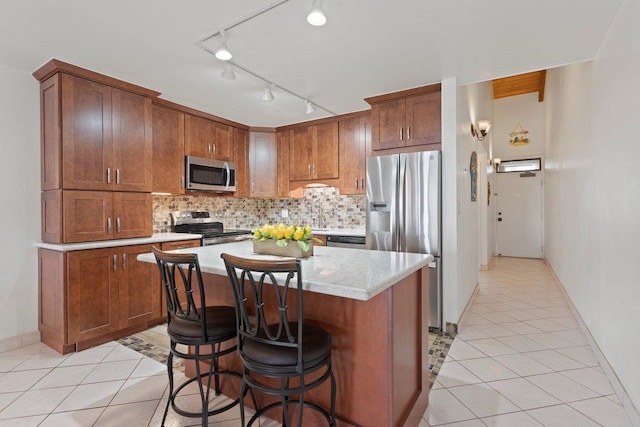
(264, 306)
(181, 277)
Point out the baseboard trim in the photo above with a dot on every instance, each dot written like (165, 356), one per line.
(621, 393)
(18, 341)
(467, 308)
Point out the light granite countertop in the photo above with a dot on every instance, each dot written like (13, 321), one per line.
(350, 273)
(155, 238)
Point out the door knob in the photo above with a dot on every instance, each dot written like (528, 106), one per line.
(499, 219)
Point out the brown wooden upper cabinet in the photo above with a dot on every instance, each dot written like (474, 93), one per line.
(355, 145)
(406, 119)
(313, 152)
(241, 159)
(282, 139)
(104, 135)
(263, 164)
(168, 150)
(206, 138)
(101, 215)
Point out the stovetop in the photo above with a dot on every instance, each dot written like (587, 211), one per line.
(202, 222)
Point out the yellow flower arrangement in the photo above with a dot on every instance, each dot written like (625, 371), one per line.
(282, 234)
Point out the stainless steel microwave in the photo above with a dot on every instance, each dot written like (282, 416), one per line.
(209, 175)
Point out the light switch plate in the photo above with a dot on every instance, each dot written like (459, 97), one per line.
(285, 213)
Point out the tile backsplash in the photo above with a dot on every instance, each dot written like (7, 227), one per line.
(337, 210)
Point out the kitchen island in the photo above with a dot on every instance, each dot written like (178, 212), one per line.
(374, 304)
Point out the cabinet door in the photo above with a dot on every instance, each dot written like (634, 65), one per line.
(88, 216)
(387, 124)
(168, 150)
(132, 142)
(326, 150)
(139, 297)
(354, 136)
(198, 136)
(241, 156)
(222, 142)
(282, 139)
(133, 215)
(92, 299)
(423, 119)
(300, 154)
(263, 163)
(86, 135)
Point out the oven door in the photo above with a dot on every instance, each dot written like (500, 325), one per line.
(209, 175)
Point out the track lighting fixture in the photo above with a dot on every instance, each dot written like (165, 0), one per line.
(316, 16)
(310, 107)
(227, 72)
(222, 52)
(268, 94)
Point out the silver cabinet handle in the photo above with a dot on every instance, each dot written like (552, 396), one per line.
(408, 133)
(118, 176)
(314, 168)
(209, 147)
(108, 175)
(118, 225)
(362, 183)
(401, 134)
(214, 149)
(309, 169)
(124, 261)
(115, 262)
(108, 225)
(356, 182)
(182, 181)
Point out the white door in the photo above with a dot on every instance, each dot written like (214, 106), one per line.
(519, 214)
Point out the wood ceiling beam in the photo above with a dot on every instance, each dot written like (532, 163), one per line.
(543, 77)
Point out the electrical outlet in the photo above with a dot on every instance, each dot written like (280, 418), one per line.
(285, 213)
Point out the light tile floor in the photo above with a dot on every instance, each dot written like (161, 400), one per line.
(520, 359)
(109, 385)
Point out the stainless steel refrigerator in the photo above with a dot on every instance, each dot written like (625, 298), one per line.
(404, 211)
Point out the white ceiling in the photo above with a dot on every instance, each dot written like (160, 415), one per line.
(367, 47)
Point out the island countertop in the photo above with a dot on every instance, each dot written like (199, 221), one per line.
(350, 273)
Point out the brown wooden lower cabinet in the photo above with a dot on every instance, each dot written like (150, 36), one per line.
(88, 297)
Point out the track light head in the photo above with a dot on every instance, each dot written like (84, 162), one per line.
(227, 72)
(222, 52)
(310, 107)
(316, 16)
(268, 94)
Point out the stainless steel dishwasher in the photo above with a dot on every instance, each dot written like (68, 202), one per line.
(355, 242)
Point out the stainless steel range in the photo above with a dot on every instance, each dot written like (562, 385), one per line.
(204, 223)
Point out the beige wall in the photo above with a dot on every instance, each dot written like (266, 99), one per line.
(20, 195)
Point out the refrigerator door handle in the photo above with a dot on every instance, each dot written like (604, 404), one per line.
(402, 199)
